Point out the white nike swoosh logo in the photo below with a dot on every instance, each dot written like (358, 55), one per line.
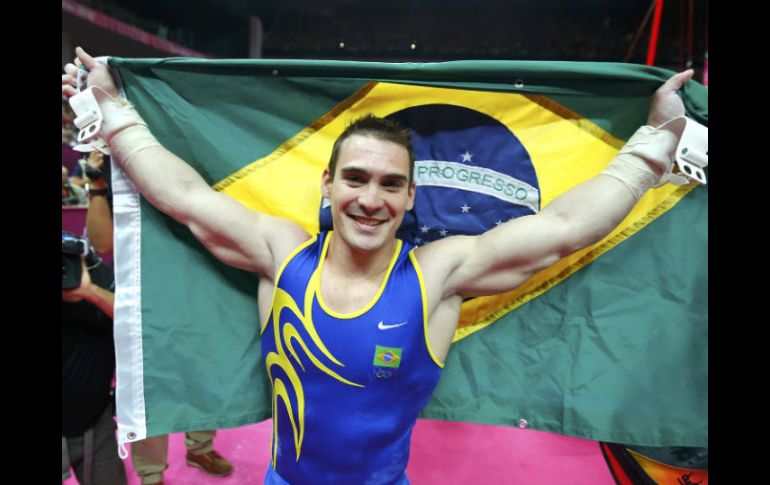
(382, 326)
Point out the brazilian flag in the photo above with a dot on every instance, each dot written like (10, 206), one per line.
(609, 344)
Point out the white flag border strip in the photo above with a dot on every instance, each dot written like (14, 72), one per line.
(129, 354)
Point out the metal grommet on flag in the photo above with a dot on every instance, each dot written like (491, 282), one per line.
(523, 423)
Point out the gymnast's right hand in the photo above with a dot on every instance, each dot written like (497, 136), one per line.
(98, 75)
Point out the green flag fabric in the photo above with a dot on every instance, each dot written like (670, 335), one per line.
(610, 344)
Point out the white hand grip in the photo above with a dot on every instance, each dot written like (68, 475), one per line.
(693, 148)
(88, 115)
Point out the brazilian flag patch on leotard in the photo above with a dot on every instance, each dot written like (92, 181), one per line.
(387, 356)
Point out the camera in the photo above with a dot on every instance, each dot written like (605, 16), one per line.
(75, 249)
(92, 173)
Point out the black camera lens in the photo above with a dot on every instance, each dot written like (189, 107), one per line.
(71, 271)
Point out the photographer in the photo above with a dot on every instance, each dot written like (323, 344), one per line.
(99, 215)
(88, 364)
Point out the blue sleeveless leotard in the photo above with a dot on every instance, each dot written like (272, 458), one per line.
(347, 389)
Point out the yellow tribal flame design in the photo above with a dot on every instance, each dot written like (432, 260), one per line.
(285, 335)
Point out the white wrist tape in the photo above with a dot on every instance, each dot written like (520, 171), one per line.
(645, 161)
(117, 114)
(104, 120)
(129, 141)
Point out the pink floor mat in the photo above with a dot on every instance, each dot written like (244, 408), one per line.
(443, 452)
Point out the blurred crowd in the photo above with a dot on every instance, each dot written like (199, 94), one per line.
(451, 35)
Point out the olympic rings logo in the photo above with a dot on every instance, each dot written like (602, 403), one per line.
(381, 373)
